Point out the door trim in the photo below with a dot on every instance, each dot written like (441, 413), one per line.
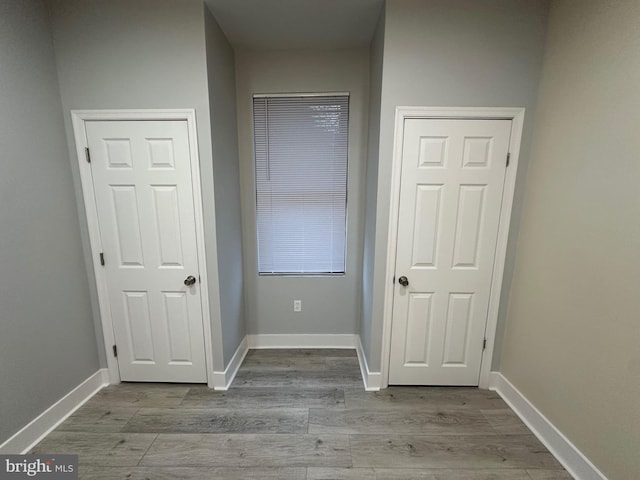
(79, 119)
(516, 115)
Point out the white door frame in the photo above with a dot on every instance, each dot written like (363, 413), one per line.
(79, 119)
(516, 115)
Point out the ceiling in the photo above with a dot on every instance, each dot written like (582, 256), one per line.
(297, 24)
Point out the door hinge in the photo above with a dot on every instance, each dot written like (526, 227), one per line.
(484, 344)
(87, 154)
(102, 259)
(508, 158)
(115, 351)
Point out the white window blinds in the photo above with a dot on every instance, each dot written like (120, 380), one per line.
(301, 148)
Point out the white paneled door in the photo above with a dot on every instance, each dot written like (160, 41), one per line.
(142, 182)
(452, 179)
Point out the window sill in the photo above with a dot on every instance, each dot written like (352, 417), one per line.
(303, 275)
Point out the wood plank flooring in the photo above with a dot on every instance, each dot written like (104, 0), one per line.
(300, 415)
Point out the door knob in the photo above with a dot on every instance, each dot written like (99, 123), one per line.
(190, 280)
(404, 281)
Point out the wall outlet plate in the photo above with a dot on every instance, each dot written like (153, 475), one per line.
(297, 305)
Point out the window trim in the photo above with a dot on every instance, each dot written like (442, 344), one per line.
(301, 95)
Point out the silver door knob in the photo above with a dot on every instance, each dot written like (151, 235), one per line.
(404, 281)
(190, 280)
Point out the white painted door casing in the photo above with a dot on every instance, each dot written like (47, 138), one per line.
(142, 182)
(452, 179)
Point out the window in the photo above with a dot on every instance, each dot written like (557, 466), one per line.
(301, 145)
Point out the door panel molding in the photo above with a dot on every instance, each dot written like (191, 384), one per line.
(79, 119)
(516, 115)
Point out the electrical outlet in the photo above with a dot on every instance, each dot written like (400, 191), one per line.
(297, 305)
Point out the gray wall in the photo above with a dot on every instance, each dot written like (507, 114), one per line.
(455, 53)
(330, 305)
(226, 177)
(47, 339)
(143, 54)
(573, 335)
(376, 55)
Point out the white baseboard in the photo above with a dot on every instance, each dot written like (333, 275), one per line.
(572, 459)
(222, 380)
(372, 380)
(302, 341)
(38, 428)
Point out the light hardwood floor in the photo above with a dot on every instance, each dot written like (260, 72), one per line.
(300, 414)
